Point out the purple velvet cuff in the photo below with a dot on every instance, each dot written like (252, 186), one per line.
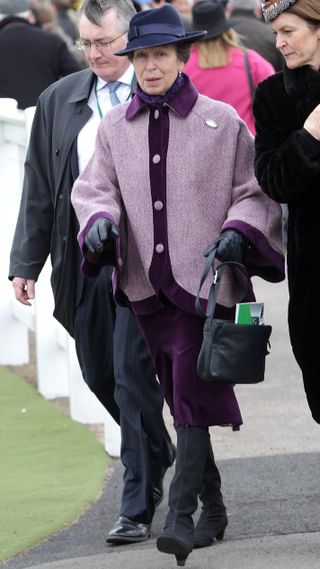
(262, 261)
(93, 262)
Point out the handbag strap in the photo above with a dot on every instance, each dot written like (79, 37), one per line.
(249, 74)
(210, 254)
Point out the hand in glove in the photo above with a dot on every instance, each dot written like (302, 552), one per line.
(100, 235)
(232, 246)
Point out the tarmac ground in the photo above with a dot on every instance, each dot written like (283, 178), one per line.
(270, 474)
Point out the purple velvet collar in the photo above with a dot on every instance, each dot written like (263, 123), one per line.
(181, 97)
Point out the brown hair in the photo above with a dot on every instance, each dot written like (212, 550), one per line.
(307, 10)
(215, 52)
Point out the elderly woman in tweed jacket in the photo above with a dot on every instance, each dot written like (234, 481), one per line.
(173, 170)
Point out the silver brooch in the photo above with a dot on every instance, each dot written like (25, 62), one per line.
(211, 123)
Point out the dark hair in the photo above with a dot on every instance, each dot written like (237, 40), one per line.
(94, 10)
(183, 52)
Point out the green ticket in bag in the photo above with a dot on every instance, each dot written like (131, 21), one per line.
(249, 313)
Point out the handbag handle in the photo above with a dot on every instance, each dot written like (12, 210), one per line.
(210, 254)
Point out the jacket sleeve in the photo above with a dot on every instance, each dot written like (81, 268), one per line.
(31, 242)
(255, 215)
(95, 195)
(286, 163)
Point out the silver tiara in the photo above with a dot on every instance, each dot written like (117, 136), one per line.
(272, 11)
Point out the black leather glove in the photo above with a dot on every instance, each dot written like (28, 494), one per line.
(232, 246)
(100, 235)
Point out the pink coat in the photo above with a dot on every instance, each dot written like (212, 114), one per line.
(230, 83)
(210, 185)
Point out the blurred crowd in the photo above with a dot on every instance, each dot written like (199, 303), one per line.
(240, 48)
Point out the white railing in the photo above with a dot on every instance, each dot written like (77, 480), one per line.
(58, 371)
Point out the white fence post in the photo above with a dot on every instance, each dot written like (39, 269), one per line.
(51, 342)
(84, 406)
(112, 436)
(14, 346)
(58, 371)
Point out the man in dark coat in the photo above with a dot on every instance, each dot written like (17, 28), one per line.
(31, 59)
(108, 342)
(255, 34)
(64, 19)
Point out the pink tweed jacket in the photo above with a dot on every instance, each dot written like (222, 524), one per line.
(210, 185)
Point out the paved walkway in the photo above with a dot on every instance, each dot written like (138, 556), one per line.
(271, 483)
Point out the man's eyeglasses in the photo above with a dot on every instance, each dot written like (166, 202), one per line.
(102, 45)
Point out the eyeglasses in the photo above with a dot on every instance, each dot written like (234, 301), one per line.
(85, 45)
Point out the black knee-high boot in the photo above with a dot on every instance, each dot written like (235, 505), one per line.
(192, 450)
(213, 519)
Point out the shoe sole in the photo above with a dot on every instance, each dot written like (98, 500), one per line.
(120, 540)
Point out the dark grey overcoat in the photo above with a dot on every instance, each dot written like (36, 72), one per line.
(50, 170)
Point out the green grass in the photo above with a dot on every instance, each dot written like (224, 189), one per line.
(51, 468)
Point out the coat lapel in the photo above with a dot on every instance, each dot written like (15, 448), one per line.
(77, 114)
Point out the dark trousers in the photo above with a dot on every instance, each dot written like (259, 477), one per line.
(117, 367)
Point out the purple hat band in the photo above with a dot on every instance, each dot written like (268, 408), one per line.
(164, 29)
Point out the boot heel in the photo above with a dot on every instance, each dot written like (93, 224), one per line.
(220, 535)
(169, 544)
(181, 561)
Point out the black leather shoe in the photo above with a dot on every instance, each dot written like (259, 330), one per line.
(157, 484)
(128, 531)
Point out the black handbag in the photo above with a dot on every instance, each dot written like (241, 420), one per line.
(230, 352)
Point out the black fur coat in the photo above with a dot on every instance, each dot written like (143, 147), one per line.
(287, 166)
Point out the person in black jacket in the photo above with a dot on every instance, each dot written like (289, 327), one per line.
(31, 58)
(253, 31)
(111, 350)
(64, 19)
(287, 165)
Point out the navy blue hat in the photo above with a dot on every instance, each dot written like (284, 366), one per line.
(160, 26)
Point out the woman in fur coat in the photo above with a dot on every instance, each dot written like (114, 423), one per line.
(287, 166)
